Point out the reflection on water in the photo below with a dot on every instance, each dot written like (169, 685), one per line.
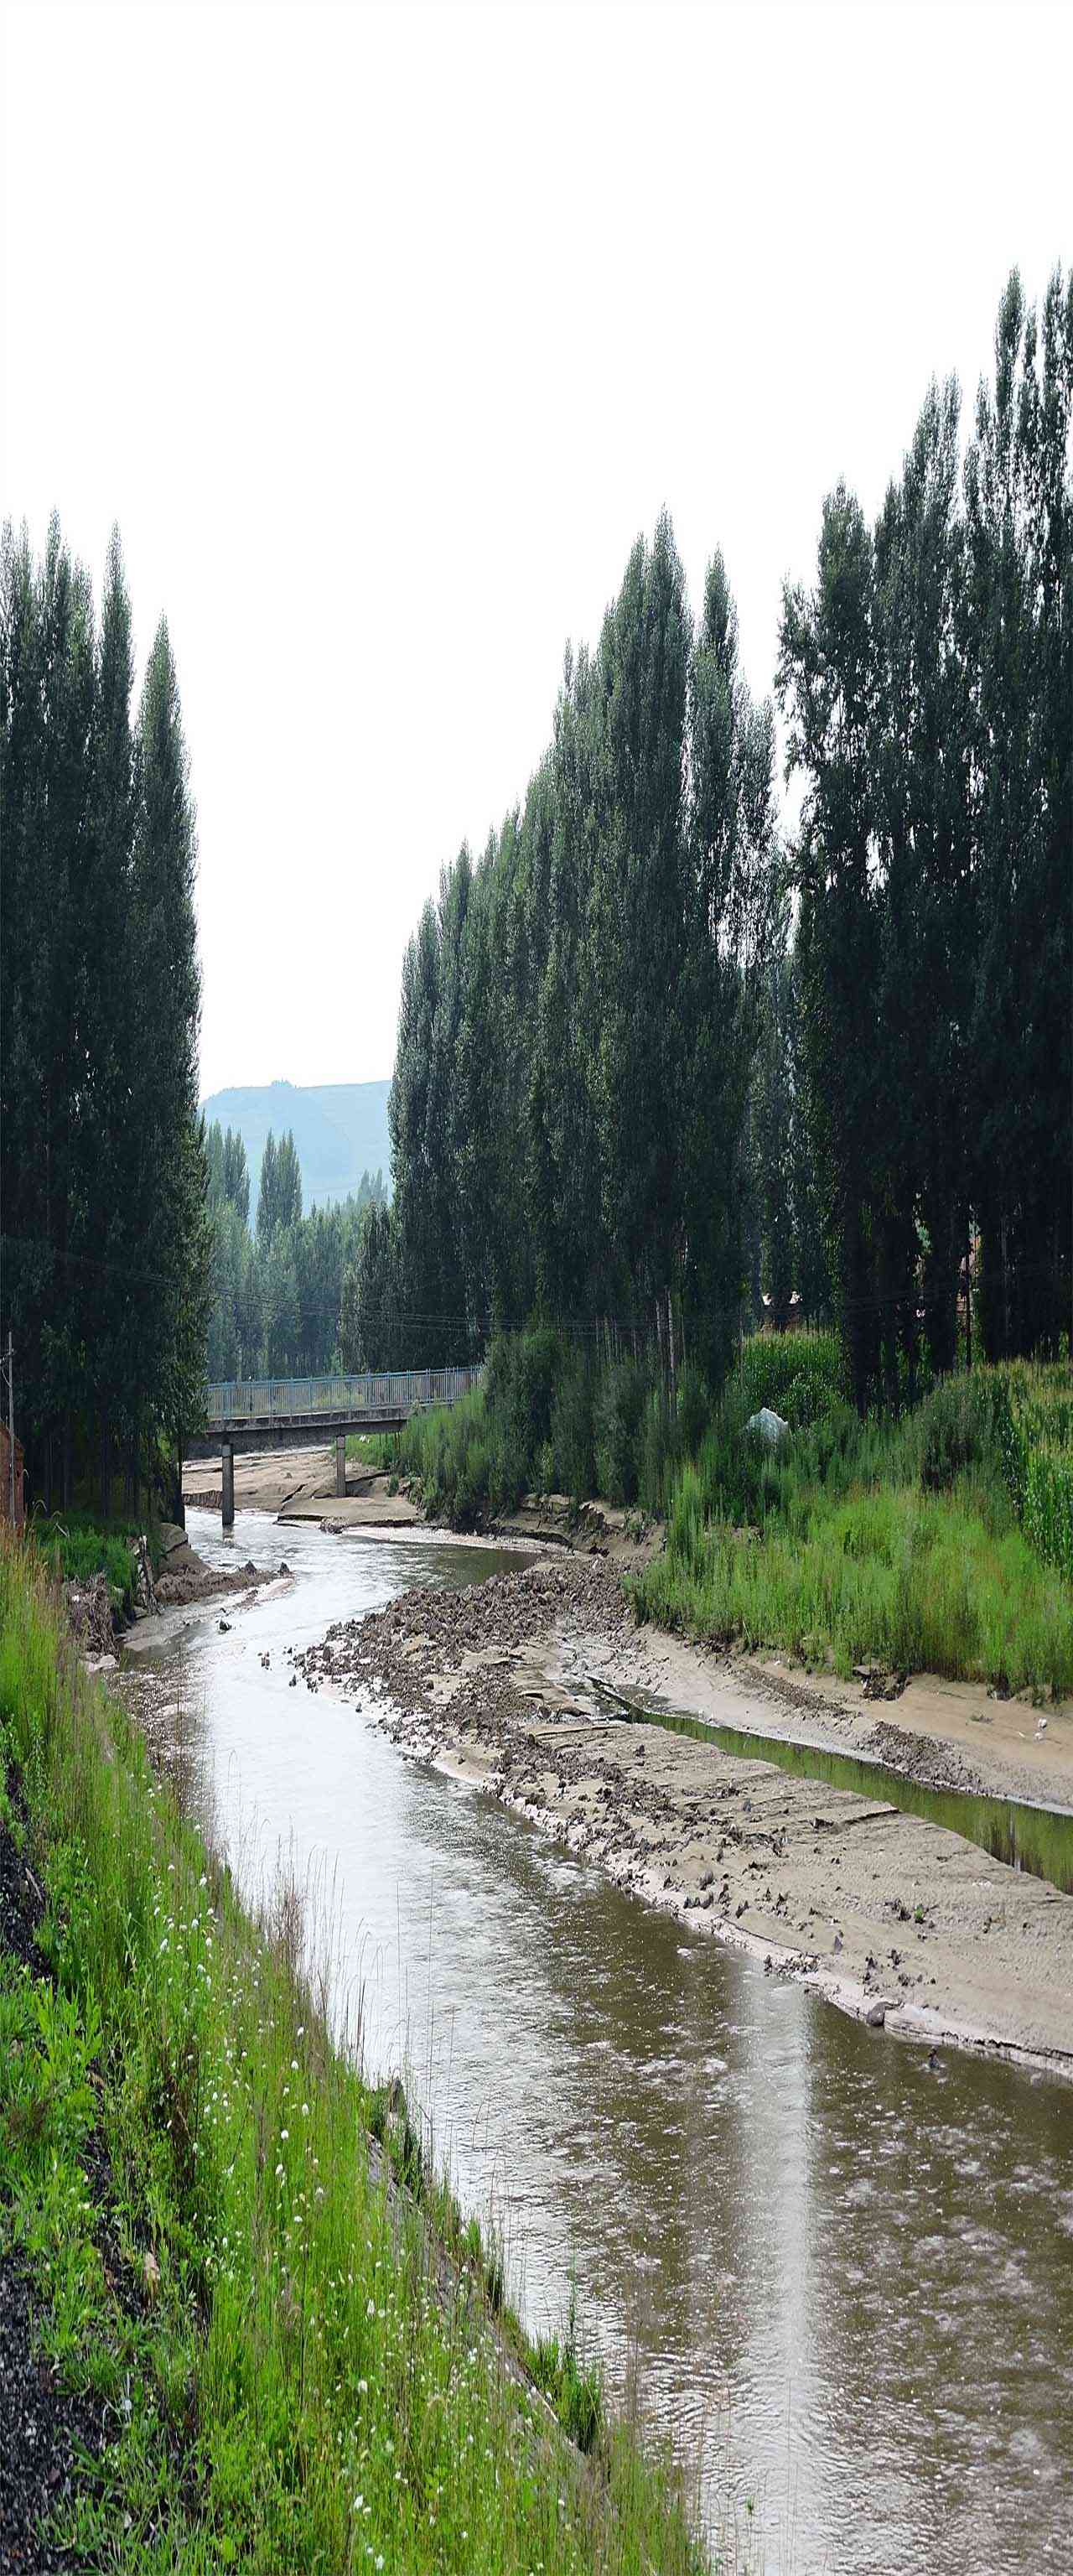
(843, 2283)
(1025, 1836)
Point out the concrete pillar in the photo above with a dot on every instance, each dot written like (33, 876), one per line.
(340, 1462)
(228, 1481)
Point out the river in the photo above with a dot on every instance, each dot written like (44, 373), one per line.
(842, 2283)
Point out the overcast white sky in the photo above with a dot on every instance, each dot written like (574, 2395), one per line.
(382, 331)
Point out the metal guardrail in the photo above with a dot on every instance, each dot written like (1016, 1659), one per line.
(282, 1399)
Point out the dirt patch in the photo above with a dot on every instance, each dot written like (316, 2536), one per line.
(891, 1916)
(264, 1482)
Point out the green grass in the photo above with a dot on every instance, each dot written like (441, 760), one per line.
(900, 1543)
(1038, 1458)
(799, 1375)
(297, 2389)
(553, 1417)
(77, 1548)
(373, 1449)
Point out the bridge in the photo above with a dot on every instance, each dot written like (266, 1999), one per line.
(246, 1414)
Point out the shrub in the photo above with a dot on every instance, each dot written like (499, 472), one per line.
(1038, 1458)
(800, 1375)
(962, 1428)
(78, 1549)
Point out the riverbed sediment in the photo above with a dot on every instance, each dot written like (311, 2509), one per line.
(892, 1916)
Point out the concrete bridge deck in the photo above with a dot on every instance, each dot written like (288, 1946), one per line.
(245, 1415)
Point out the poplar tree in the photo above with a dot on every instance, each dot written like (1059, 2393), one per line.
(638, 913)
(420, 1323)
(266, 1195)
(827, 685)
(168, 1214)
(924, 856)
(25, 946)
(368, 1319)
(236, 1177)
(1019, 615)
(110, 1074)
(734, 927)
(287, 1201)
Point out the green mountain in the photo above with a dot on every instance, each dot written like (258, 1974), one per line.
(339, 1128)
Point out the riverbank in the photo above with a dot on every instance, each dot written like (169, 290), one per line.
(218, 2242)
(894, 1918)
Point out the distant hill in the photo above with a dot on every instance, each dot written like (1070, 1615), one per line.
(340, 1131)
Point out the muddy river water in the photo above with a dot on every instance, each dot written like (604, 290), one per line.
(843, 2283)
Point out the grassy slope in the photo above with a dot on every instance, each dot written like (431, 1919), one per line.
(906, 1543)
(293, 2389)
(940, 1542)
(76, 1546)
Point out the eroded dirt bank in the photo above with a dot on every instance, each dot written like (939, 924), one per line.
(893, 1917)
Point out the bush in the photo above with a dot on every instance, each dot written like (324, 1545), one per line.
(962, 1428)
(1038, 1458)
(79, 1549)
(800, 1375)
(897, 1540)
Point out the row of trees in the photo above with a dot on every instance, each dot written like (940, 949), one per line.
(648, 1062)
(927, 677)
(102, 1177)
(579, 1012)
(277, 1292)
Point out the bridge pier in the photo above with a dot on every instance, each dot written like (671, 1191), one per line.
(227, 1482)
(340, 1463)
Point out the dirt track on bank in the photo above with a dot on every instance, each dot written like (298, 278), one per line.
(893, 1917)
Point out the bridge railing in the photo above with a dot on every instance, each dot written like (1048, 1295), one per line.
(279, 1399)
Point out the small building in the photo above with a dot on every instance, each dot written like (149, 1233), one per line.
(5, 1480)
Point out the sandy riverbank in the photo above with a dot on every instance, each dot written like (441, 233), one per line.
(949, 1733)
(299, 1485)
(891, 1916)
